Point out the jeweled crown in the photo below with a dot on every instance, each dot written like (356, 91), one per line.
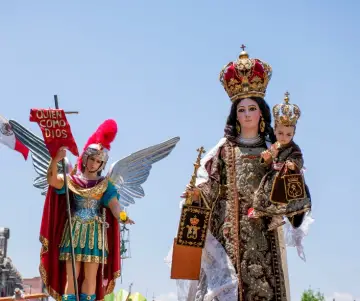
(245, 77)
(293, 179)
(194, 221)
(286, 113)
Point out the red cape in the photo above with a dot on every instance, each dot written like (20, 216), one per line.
(52, 270)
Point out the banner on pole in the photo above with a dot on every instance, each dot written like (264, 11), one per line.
(55, 129)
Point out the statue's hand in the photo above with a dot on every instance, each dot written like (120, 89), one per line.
(192, 191)
(129, 222)
(61, 154)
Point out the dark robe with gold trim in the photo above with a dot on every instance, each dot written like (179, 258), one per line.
(235, 173)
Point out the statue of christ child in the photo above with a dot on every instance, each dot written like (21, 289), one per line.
(284, 157)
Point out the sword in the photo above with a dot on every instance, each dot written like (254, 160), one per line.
(104, 226)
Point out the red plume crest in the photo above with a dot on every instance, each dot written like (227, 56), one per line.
(104, 135)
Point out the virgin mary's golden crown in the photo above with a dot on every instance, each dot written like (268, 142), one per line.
(245, 77)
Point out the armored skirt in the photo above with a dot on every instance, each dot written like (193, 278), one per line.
(89, 242)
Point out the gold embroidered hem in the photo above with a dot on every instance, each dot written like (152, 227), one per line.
(43, 274)
(44, 245)
(82, 258)
(112, 283)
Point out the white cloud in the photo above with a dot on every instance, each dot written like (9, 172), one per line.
(342, 297)
(173, 297)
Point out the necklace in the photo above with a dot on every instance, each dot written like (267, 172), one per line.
(249, 141)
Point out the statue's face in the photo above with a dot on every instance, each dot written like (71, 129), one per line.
(284, 134)
(93, 163)
(248, 114)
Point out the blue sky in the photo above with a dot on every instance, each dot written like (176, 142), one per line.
(154, 66)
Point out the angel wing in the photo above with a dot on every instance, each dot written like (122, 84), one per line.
(130, 172)
(39, 154)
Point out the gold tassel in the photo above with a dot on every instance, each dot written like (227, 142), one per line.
(91, 235)
(100, 238)
(76, 234)
(83, 235)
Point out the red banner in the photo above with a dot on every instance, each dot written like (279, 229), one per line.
(55, 129)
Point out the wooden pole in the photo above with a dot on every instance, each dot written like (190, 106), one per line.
(69, 218)
(103, 249)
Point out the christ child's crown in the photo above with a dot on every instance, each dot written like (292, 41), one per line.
(286, 113)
